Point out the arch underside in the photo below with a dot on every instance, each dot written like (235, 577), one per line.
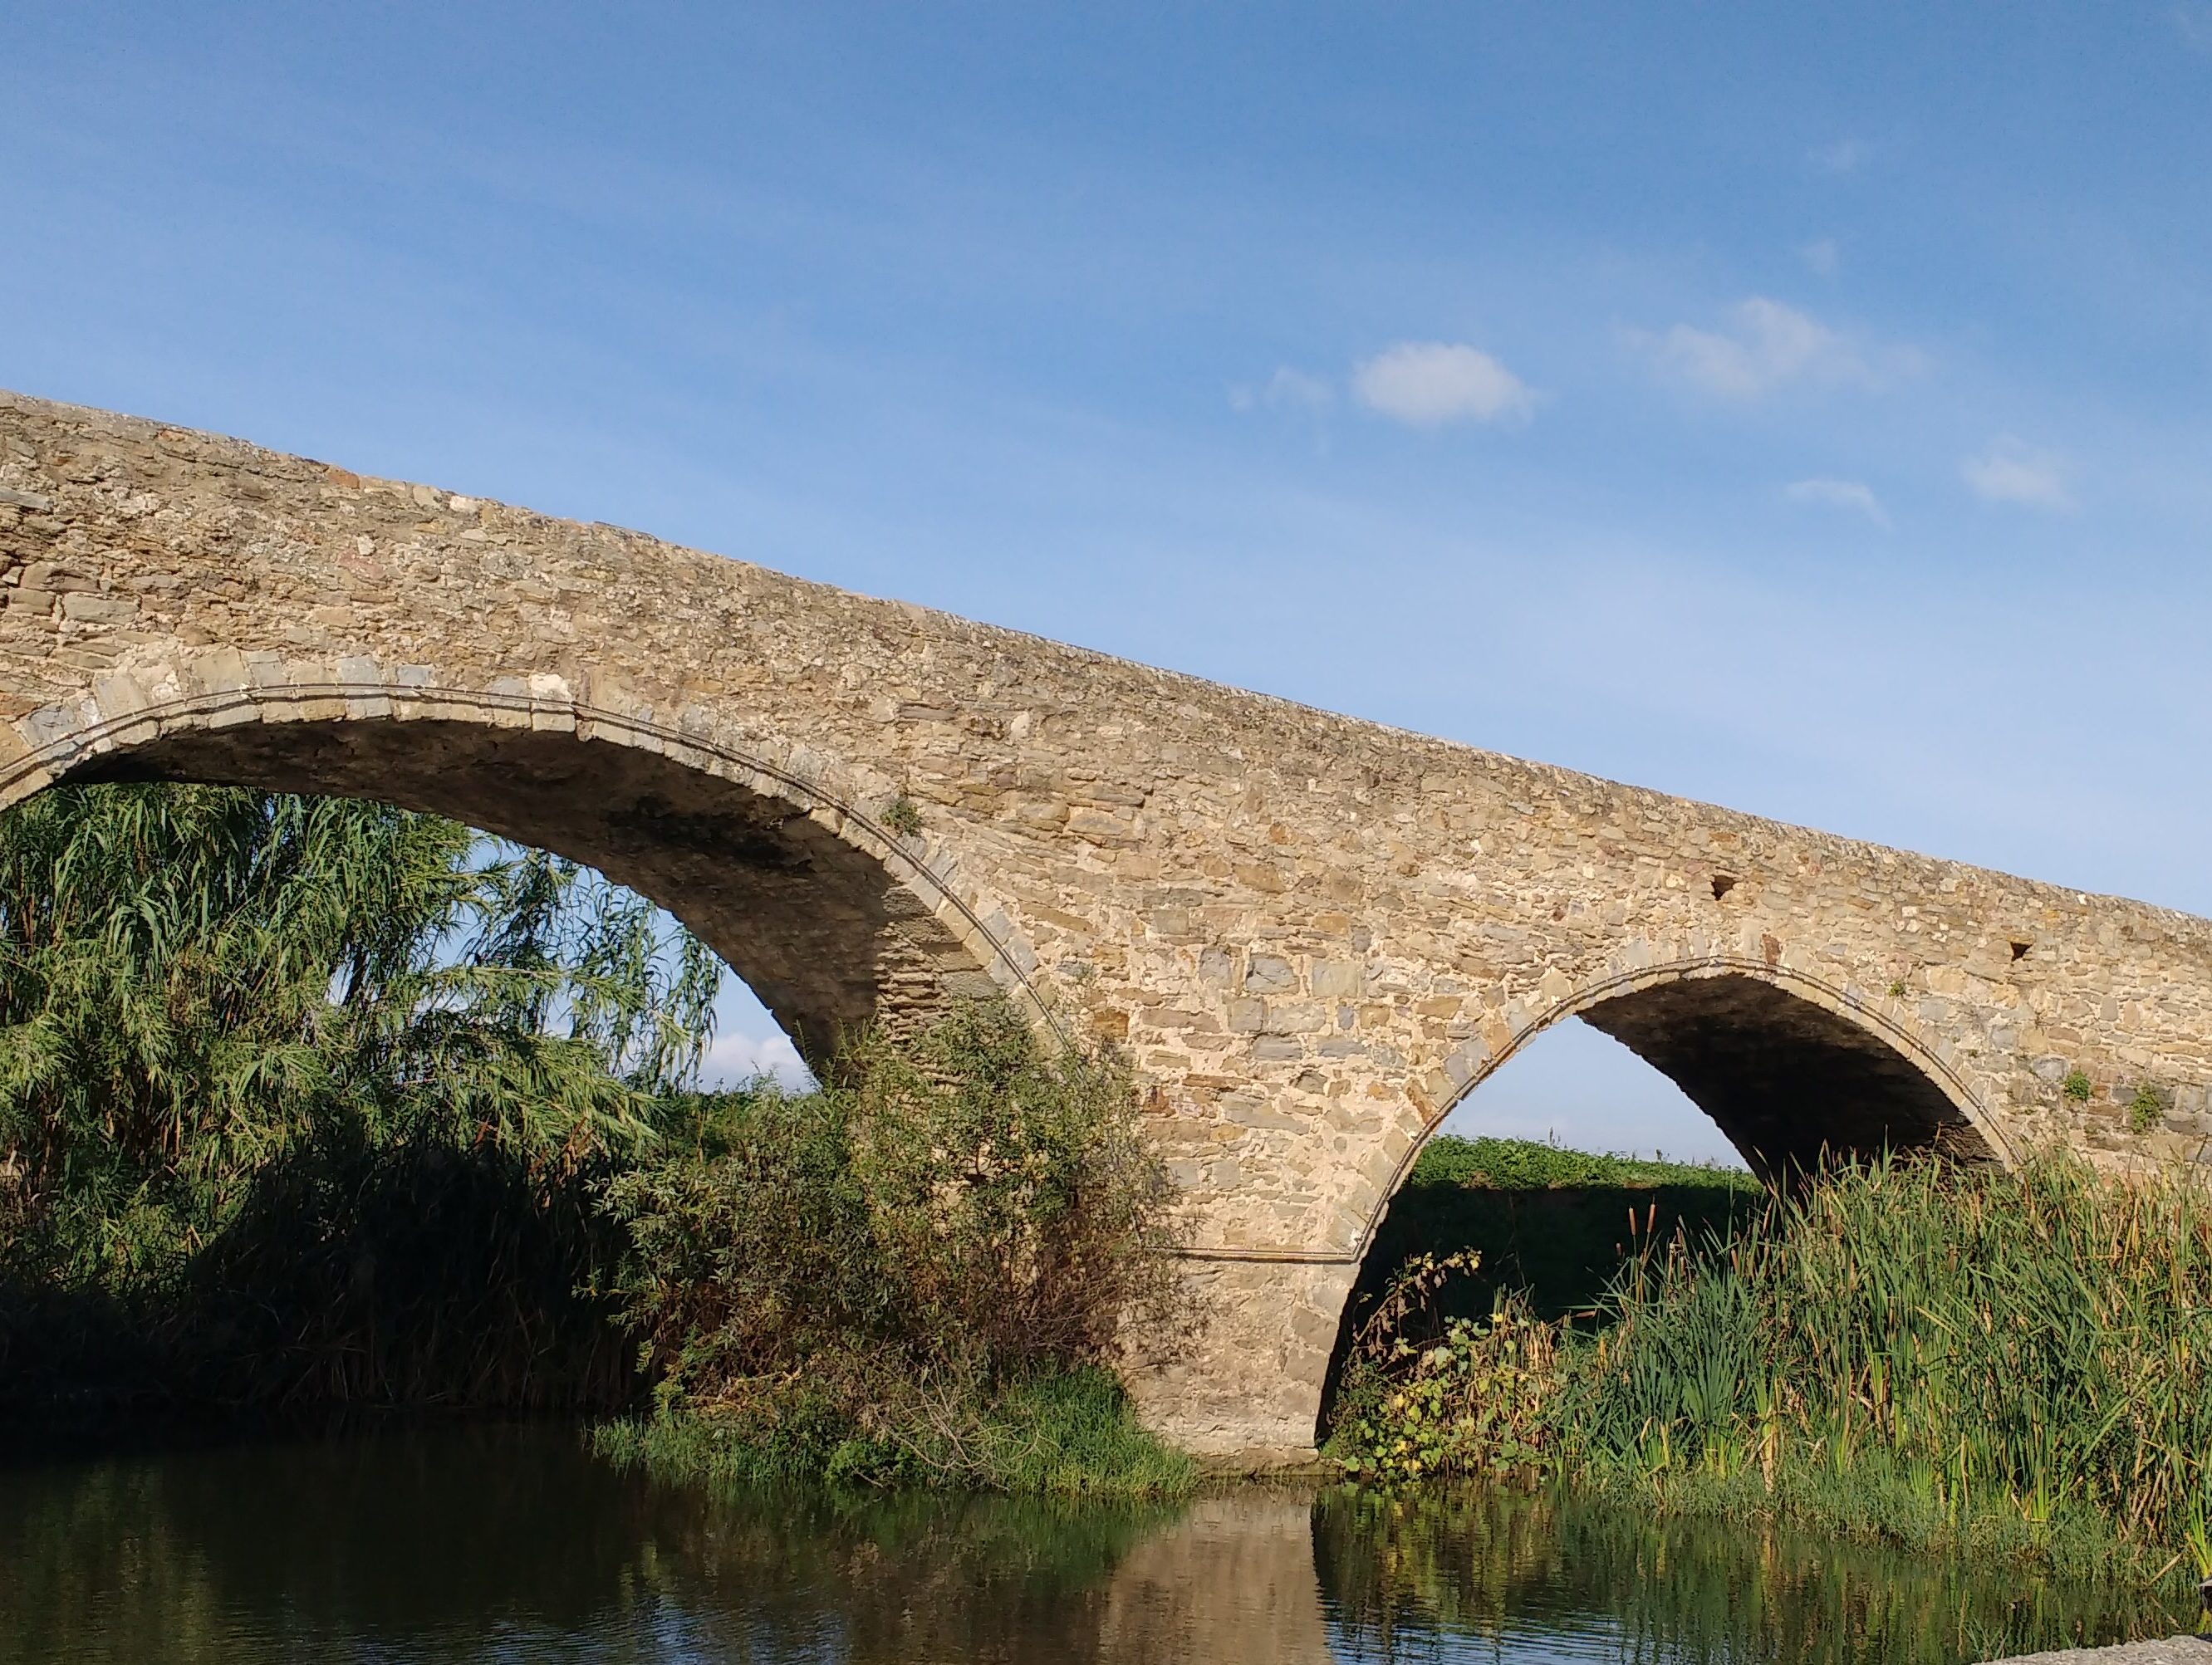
(1788, 1081)
(827, 938)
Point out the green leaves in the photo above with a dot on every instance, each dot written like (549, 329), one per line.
(1907, 1348)
(900, 1257)
(210, 996)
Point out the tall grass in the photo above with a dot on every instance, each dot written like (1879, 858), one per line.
(2020, 1359)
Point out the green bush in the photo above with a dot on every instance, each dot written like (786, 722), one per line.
(309, 1099)
(913, 1272)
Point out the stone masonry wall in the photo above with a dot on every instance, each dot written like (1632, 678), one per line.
(1312, 934)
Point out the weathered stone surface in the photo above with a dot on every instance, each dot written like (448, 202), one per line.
(2168, 1651)
(1312, 935)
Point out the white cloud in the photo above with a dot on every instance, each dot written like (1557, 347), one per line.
(734, 1059)
(1843, 156)
(1820, 255)
(2193, 18)
(1286, 389)
(1425, 384)
(2010, 471)
(1768, 345)
(1840, 494)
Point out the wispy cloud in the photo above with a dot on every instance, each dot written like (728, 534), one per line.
(1851, 495)
(2192, 19)
(1286, 389)
(1842, 157)
(733, 1059)
(1425, 384)
(1768, 345)
(2010, 471)
(1821, 256)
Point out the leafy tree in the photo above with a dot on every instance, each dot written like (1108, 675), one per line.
(211, 998)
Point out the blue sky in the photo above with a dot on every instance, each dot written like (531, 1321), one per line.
(1804, 409)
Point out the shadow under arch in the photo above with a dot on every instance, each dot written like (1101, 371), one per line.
(1788, 1066)
(833, 921)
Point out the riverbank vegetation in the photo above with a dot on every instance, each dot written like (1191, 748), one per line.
(312, 1103)
(308, 1101)
(916, 1274)
(2015, 1361)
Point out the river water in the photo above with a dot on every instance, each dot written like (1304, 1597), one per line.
(511, 1543)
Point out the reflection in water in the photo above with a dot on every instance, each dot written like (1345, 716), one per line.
(1541, 1577)
(502, 1543)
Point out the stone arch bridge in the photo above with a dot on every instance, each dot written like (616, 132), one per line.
(1313, 935)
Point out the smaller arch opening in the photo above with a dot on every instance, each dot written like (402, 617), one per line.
(1553, 1172)
(1789, 1083)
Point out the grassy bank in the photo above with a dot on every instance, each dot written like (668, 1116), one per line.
(2009, 1362)
(1065, 1433)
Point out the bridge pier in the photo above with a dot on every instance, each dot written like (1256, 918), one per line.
(1245, 1391)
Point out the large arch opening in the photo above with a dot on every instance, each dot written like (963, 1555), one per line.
(370, 1240)
(819, 928)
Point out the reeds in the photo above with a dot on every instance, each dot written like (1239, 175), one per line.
(2021, 1360)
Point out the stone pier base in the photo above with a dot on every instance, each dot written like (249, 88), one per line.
(1245, 1392)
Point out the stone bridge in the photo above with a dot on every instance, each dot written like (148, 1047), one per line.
(1312, 935)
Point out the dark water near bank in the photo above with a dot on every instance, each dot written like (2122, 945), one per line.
(512, 1544)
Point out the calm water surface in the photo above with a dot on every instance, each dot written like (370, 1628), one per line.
(512, 1544)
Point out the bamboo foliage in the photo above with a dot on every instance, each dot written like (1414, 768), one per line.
(212, 998)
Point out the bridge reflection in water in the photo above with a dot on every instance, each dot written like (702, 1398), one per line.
(512, 1544)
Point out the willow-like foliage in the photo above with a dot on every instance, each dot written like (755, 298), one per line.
(206, 992)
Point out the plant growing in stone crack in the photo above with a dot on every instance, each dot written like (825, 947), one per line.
(2146, 1108)
(1896, 989)
(903, 816)
(2076, 1087)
